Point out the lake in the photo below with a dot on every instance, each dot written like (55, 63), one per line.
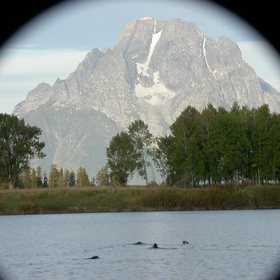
(242, 244)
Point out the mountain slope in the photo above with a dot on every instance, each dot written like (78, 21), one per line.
(155, 70)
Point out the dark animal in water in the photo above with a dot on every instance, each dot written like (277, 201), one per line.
(94, 257)
(138, 243)
(185, 242)
(155, 245)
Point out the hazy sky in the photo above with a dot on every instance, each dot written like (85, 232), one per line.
(55, 42)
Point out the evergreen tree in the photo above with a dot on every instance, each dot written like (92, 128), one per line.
(39, 177)
(45, 183)
(72, 179)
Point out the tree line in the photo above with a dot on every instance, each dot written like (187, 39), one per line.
(57, 178)
(30, 178)
(203, 148)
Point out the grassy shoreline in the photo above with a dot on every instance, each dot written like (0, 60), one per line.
(137, 198)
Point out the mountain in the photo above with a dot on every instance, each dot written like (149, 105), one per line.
(155, 70)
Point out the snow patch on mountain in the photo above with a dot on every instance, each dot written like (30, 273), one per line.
(142, 68)
(205, 58)
(155, 95)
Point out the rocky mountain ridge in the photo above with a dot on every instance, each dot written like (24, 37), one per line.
(155, 70)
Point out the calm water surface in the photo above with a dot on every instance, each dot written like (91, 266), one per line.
(223, 245)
